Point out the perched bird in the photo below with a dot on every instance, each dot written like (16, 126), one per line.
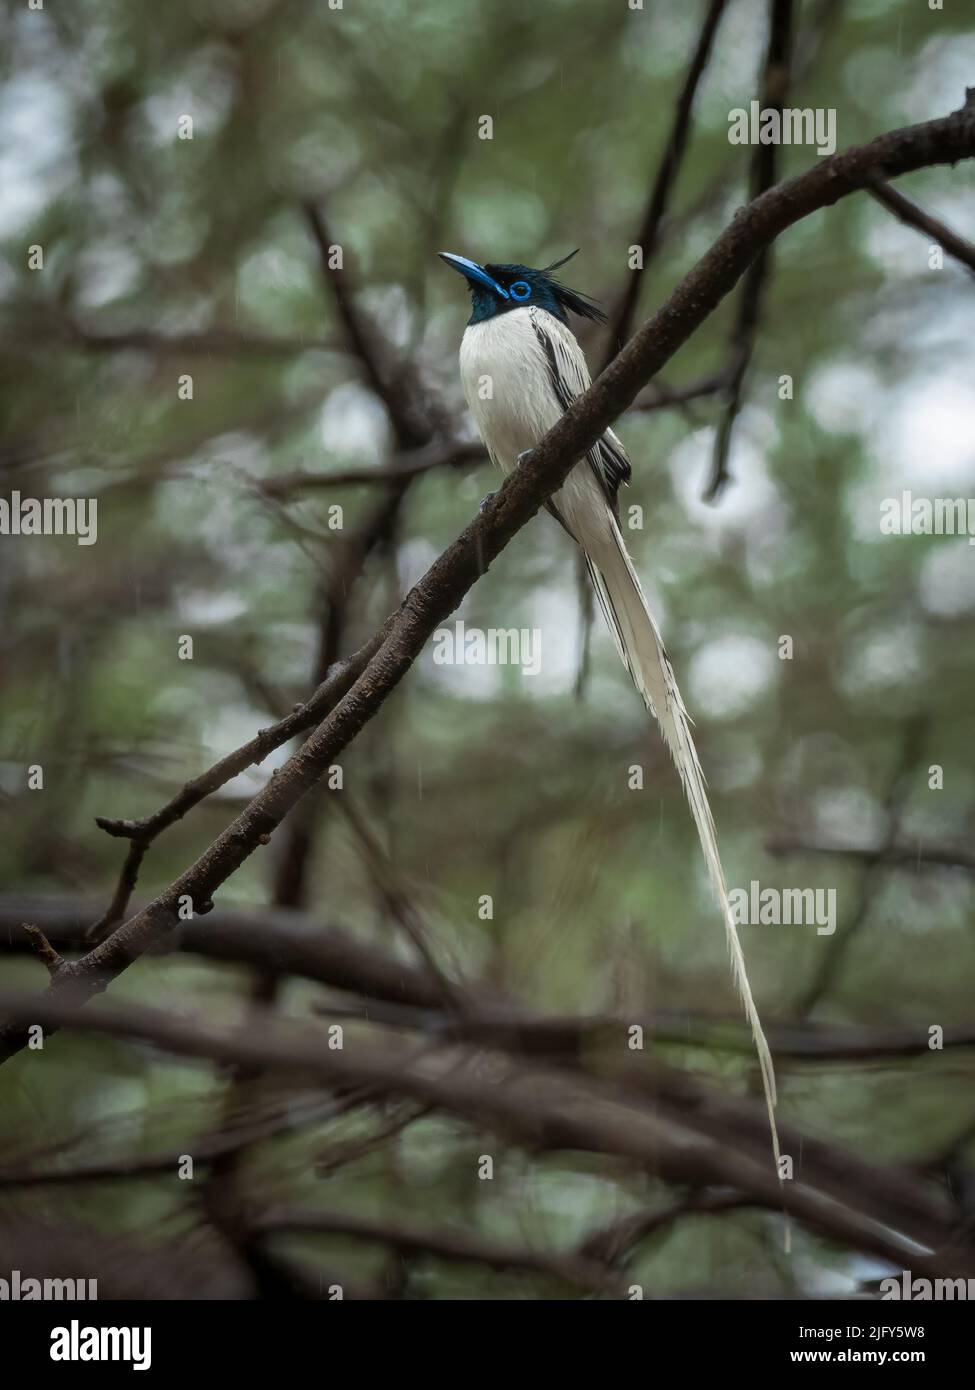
(520, 367)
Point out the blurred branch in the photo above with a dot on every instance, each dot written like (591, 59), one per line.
(574, 1269)
(775, 90)
(621, 321)
(215, 342)
(340, 1155)
(913, 216)
(145, 830)
(412, 433)
(204, 1150)
(294, 943)
(658, 396)
(814, 34)
(416, 423)
(397, 901)
(399, 389)
(833, 956)
(711, 197)
(411, 465)
(611, 1243)
(387, 658)
(551, 1108)
(288, 942)
(916, 857)
(147, 470)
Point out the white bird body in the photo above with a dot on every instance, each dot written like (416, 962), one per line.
(519, 369)
(504, 371)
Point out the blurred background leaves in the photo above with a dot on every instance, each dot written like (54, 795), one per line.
(166, 256)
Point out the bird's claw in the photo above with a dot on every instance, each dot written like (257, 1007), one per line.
(525, 455)
(486, 500)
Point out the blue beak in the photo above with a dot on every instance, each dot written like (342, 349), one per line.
(472, 271)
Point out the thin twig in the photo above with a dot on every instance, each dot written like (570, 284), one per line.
(127, 881)
(913, 216)
(414, 465)
(621, 321)
(44, 951)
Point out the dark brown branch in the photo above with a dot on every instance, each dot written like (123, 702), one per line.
(127, 880)
(912, 216)
(396, 647)
(621, 321)
(43, 950)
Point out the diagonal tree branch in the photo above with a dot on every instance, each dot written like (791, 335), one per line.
(438, 593)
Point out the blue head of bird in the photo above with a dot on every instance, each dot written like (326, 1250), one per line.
(499, 289)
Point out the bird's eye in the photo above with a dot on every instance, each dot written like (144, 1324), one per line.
(520, 289)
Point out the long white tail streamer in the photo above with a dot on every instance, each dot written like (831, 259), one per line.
(642, 651)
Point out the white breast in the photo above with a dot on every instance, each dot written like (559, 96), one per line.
(506, 380)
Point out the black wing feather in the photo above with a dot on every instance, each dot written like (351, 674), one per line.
(606, 457)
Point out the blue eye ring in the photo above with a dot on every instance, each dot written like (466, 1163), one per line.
(520, 290)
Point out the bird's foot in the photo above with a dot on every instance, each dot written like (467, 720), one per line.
(525, 455)
(486, 501)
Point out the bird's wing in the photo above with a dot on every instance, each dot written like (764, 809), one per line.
(569, 377)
